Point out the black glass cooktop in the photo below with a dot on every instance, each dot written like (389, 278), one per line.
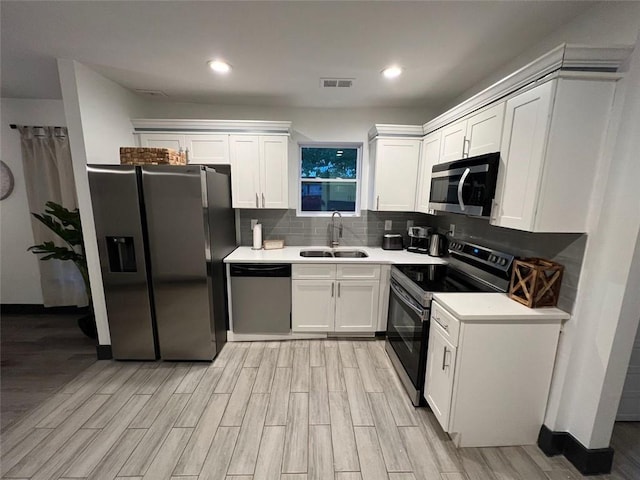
(439, 278)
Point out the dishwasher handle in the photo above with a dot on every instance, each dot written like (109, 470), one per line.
(260, 270)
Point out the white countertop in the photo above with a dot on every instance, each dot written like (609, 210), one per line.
(292, 255)
(493, 306)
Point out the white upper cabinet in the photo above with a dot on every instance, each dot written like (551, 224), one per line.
(552, 140)
(163, 140)
(204, 149)
(396, 171)
(208, 149)
(429, 158)
(244, 151)
(273, 171)
(475, 134)
(259, 171)
(453, 141)
(484, 131)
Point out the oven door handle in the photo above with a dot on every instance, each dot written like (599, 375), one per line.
(460, 185)
(406, 299)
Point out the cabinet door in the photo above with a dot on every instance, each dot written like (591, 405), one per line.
(429, 158)
(163, 140)
(312, 305)
(208, 149)
(527, 118)
(452, 144)
(357, 306)
(484, 131)
(438, 390)
(274, 192)
(244, 151)
(396, 171)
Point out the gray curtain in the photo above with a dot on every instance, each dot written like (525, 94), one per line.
(48, 171)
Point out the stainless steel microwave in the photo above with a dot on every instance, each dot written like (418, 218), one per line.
(465, 186)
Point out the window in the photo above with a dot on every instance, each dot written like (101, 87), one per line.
(329, 179)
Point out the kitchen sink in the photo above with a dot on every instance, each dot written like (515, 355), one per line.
(315, 253)
(350, 254)
(334, 253)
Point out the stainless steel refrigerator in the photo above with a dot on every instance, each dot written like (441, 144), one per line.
(162, 233)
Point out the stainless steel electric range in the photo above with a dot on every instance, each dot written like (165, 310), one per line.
(471, 268)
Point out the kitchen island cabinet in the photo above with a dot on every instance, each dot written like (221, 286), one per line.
(489, 367)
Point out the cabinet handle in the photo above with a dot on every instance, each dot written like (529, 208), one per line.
(332, 287)
(186, 154)
(257, 201)
(444, 358)
(494, 211)
(338, 289)
(263, 200)
(378, 203)
(466, 145)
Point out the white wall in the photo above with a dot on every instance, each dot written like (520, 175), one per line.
(606, 23)
(308, 124)
(19, 273)
(98, 113)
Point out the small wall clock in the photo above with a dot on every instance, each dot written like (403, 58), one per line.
(6, 180)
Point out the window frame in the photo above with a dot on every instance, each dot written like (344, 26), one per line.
(357, 180)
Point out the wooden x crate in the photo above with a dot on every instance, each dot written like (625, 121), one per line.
(535, 282)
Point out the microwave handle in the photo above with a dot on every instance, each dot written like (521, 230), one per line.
(460, 185)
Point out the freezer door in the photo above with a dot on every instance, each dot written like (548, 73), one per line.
(175, 209)
(117, 216)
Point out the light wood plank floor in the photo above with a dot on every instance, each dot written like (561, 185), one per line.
(301, 410)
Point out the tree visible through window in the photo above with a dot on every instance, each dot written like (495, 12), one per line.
(329, 179)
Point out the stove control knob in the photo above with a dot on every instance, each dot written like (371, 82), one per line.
(503, 261)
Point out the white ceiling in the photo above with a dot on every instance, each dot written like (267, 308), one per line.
(279, 50)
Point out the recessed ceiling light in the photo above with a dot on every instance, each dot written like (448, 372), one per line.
(219, 66)
(392, 72)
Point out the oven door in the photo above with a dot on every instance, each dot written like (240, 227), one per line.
(407, 338)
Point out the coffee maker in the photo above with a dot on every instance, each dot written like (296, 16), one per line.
(419, 240)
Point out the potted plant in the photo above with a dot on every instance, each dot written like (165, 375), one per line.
(66, 224)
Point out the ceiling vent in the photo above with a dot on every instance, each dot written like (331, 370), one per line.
(150, 93)
(336, 82)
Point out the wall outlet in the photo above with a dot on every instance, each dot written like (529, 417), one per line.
(452, 229)
(387, 225)
(409, 224)
(253, 222)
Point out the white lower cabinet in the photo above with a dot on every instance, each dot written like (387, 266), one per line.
(357, 305)
(347, 302)
(313, 305)
(441, 362)
(487, 381)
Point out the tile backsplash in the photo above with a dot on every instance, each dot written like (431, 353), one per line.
(367, 230)
(566, 249)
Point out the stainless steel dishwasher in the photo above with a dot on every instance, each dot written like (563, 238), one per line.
(261, 298)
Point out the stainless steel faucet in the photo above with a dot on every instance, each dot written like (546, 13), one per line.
(335, 241)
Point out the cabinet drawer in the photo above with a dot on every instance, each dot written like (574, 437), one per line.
(311, 272)
(358, 272)
(450, 325)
